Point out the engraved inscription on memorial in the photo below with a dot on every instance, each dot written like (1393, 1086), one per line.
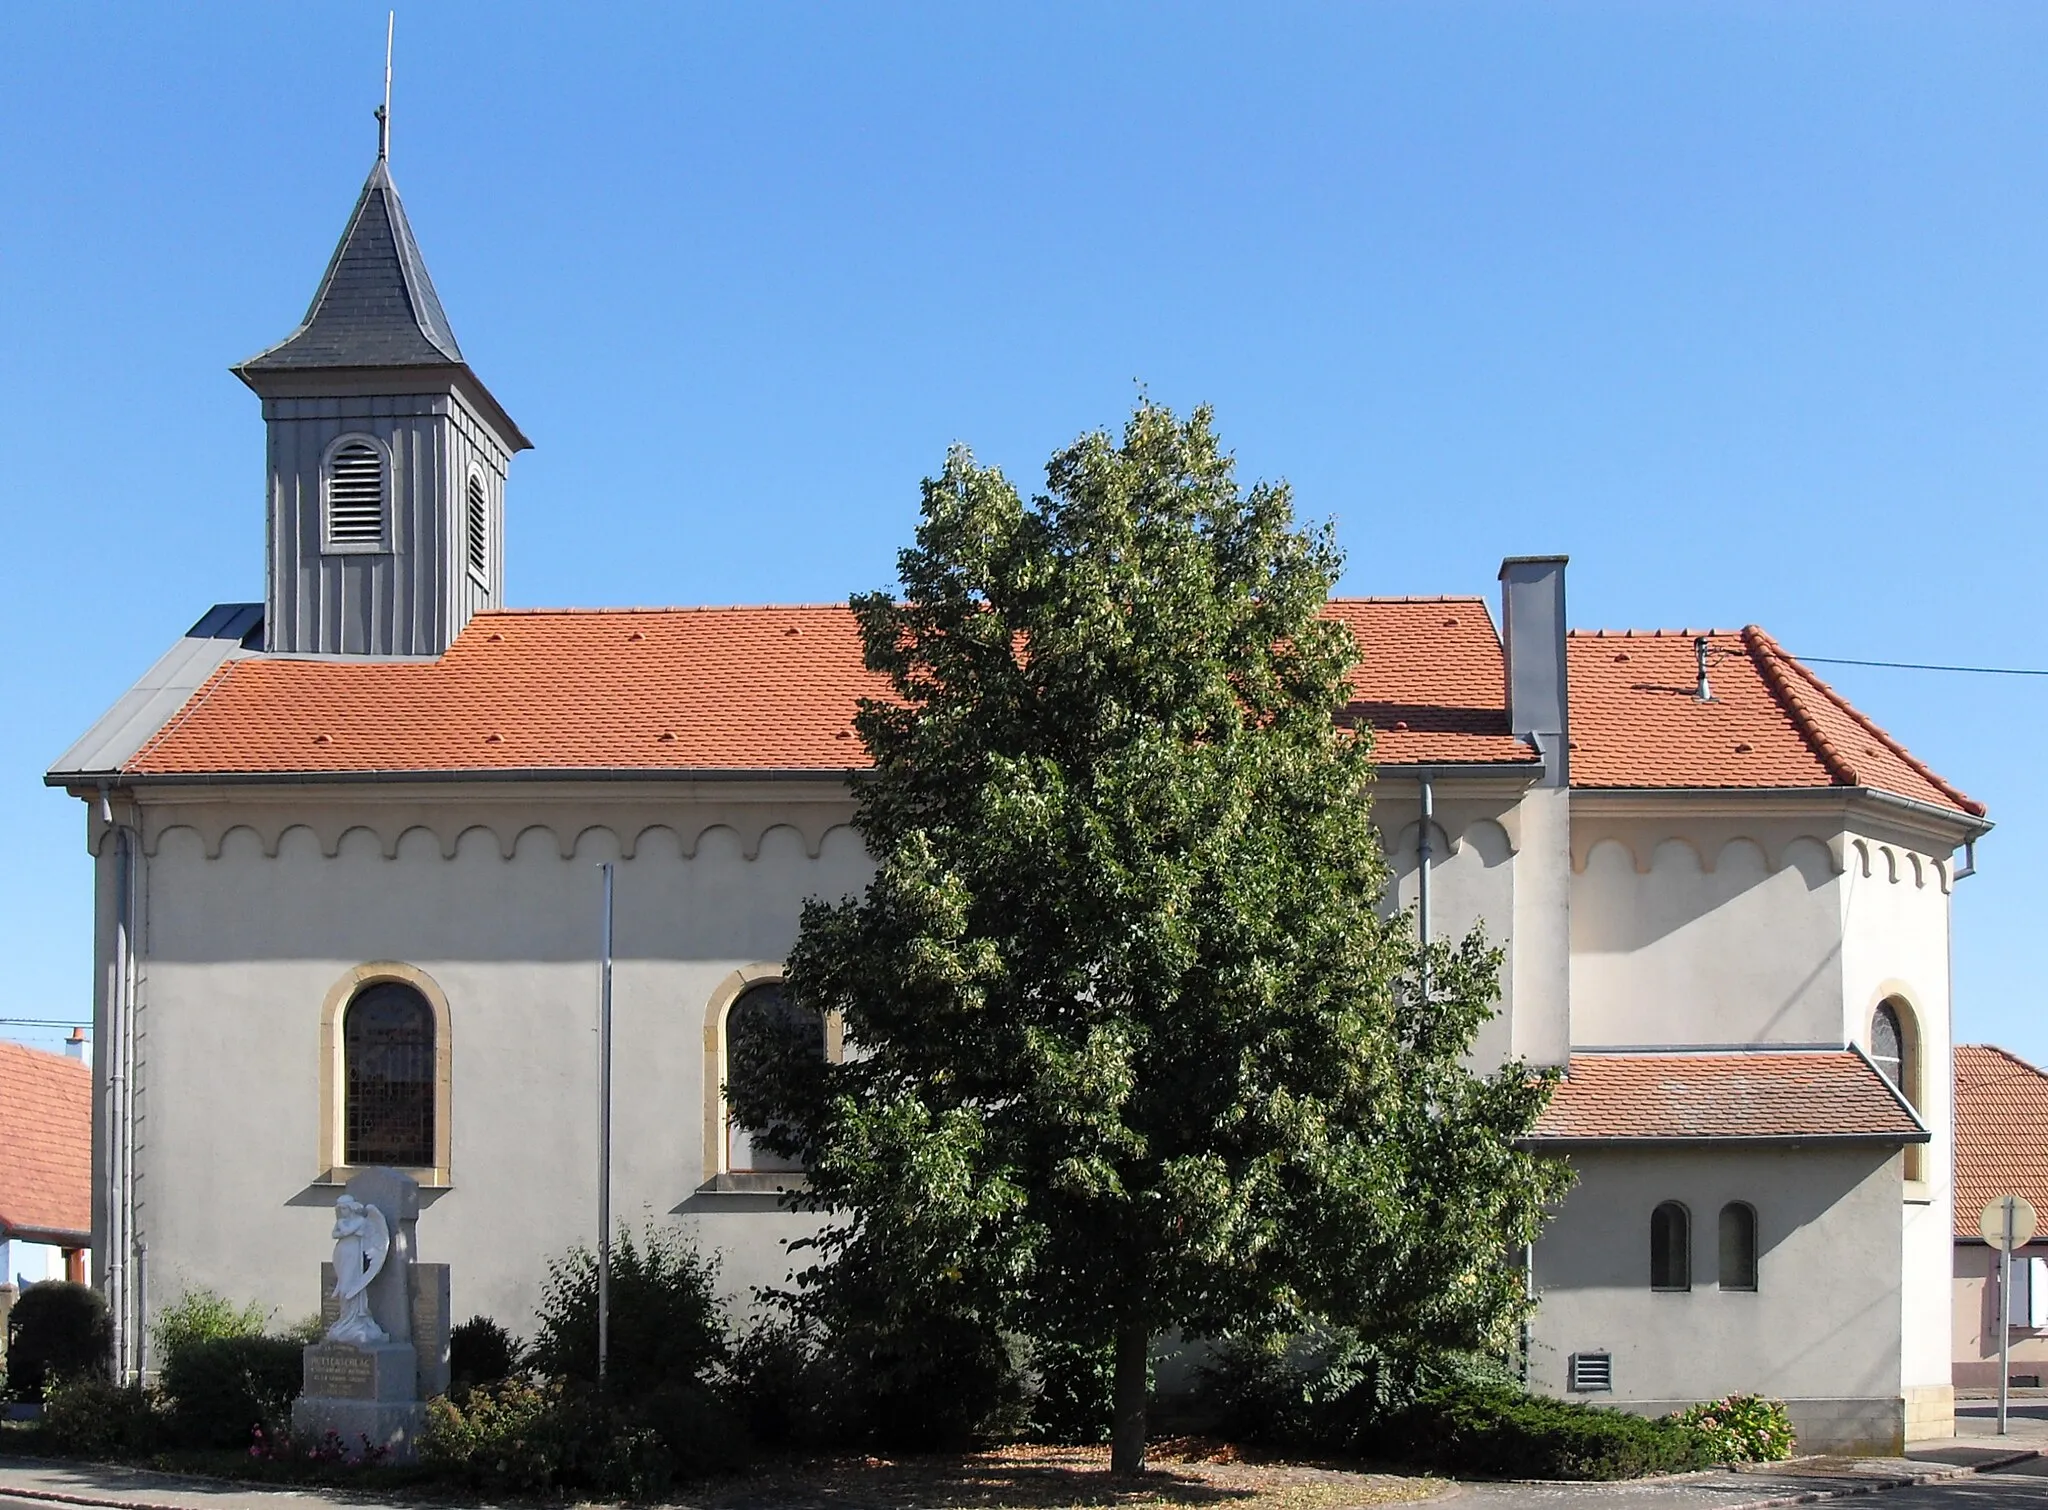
(340, 1375)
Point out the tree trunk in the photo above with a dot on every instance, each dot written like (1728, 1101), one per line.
(1127, 1434)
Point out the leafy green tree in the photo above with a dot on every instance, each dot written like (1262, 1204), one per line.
(1135, 1050)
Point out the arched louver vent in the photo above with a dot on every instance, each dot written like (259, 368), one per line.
(355, 495)
(479, 522)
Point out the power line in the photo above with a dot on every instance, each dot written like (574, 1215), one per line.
(1836, 660)
(40, 1022)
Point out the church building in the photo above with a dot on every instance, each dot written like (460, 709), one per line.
(346, 846)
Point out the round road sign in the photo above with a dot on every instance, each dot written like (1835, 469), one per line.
(1992, 1222)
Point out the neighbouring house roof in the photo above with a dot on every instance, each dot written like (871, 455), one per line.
(1702, 1096)
(2001, 1132)
(45, 1147)
(774, 689)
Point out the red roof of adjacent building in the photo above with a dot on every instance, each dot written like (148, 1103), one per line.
(45, 1147)
(2001, 1132)
(761, 689)
(1703, 1096)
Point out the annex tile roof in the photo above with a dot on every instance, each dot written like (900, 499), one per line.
(376, 306)
(1636, 721)
(1699, 1096)
(45, 1147)
(2001, 1132)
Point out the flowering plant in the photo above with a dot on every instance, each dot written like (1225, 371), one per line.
(1741, 1428)
(281, 1446)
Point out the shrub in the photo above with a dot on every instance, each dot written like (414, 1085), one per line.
(217, 1389)
(57, 1329)
(1503, 1432)
(1743, 1428)
(480, 1352)
(203, 1316)
(518, 1437)
(666, 1323)
(86, 1415)
(1317, 1389)
(1073, 1402)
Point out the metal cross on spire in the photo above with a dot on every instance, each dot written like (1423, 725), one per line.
(384, 110)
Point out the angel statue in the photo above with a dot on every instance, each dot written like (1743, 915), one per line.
(362, 1241)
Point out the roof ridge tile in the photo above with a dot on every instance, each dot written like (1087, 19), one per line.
(1926, 773)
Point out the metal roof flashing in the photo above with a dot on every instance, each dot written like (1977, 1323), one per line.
(225, 632)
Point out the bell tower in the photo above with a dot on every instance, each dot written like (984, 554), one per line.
(386, 457)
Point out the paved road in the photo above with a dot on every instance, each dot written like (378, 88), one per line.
(2024, 1485)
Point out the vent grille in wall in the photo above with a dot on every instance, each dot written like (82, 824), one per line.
(1592, 1372)
(479, 520)
(355, 495)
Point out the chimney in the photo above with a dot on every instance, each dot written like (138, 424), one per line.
(1532, 627)
(74, 1046)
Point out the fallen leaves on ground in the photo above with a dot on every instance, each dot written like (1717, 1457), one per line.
(1179, 1474)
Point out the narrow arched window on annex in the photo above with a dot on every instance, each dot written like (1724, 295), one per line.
(1671, 1247)
(1738, 1246)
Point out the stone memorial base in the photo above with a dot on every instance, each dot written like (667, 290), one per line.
(357, 1392)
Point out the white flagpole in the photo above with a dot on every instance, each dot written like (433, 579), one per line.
(604, 1134)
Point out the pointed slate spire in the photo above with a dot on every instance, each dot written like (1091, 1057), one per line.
(376, 306)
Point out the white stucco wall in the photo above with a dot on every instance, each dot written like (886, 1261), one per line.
(1822, 1326)
(243, 948)
(1677, 953)
(1895, 947)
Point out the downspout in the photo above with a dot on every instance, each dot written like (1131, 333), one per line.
(1422, 853)
(116, 1091)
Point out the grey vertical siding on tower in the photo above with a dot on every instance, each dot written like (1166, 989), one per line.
(414, 596)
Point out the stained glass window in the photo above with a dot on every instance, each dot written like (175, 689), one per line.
(388, 1047)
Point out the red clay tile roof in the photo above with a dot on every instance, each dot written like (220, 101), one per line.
(1636, 722)
(718, 689)
(1688, 1097)
(2001, 1132)
(736, 689)
(1430, 682)
(45, 1147)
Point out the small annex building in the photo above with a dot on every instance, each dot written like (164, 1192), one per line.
(2001, 1150)
(345, 845)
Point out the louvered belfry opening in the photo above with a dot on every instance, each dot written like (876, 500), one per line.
(479, 525)
(388, 1046)
(355, 495)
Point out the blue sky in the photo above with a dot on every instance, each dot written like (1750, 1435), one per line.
(1740, 305)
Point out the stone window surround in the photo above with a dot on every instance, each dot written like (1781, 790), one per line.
(334, 1073)
(716, 1176)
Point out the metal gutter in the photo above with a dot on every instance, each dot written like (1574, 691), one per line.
(1974, 825)
(1767, 1140)
(119, 780)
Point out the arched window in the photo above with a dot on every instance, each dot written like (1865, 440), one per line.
(1738, 1246)
(477, 540)
(1670, 1247)
(1888, 1045)
(761, 1026)
(388, 1059)
(355, 496)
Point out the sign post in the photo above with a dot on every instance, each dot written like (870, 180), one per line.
(2006, 1223)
